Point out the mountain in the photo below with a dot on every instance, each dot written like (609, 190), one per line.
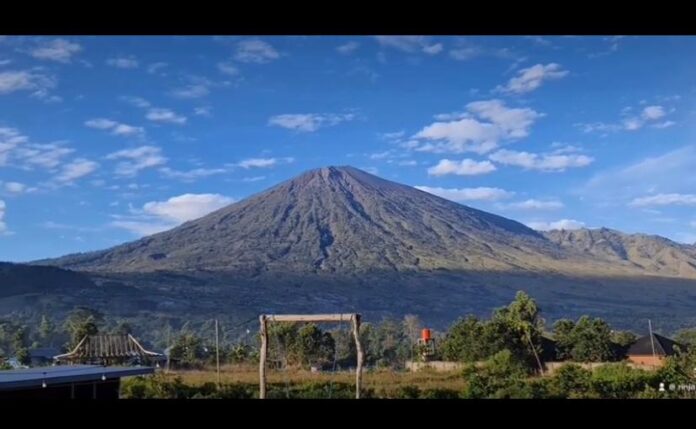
(340, 239)
(335, 219)
(344, 220)
(18, 279)
(650, 253)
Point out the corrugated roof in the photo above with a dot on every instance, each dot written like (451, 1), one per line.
(107, 346)
(35, 377)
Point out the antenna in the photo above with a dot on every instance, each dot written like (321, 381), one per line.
(652, 341)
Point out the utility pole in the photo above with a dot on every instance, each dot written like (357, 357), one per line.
(652, 341)
(217, 352)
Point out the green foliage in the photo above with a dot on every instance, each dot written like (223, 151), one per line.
(686, 337)
(502, 376)
(82, 322)
(47, 330)
(619, 381)
(188, 351)
(588, 340)
(570, 381)
(123, 328)
(465, 341)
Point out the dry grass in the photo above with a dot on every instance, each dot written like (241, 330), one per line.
(379, 380)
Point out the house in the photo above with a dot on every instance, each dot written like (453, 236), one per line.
(66, 382)
(43, 356)
(652, 350)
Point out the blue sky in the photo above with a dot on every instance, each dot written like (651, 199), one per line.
(105, 139)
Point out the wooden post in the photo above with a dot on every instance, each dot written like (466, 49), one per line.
(217, 352)
(262, 357)
(359, 352)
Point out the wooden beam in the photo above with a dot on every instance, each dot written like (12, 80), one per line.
(346, 317)
(262, 357)
(359, 352)
(353, 318)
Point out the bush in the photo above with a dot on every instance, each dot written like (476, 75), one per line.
(570, 381)
(619, 381)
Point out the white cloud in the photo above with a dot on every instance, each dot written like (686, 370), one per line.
(465, 53)
(191, 175)
(155, 67)
(24, 80)
(468, 194)
(157, 216)
(42, 155)
(142, 228)
(542, 162)
(309, 122)
(165, 115)
(134, 160)
(15, 187)
(76, 169)
(196, 90)
(649, 115)
(531, 78)
(228, 69)
(123, 62)
(202, 111)
(253, 179)
(116, 128)
(263, 162)
(255, 51)
(653, 112)
(3, 225)
(480, 130)
(533, 204)
(672, 172)
(664, 200)
(567, 224)
(348, 48)
(136, 101)
(60, 50)
(10, 139)
(465, 167)
(410, 44)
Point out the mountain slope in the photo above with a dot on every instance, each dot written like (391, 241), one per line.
(645, 252)
(345, 221)
(16, 279)
(331, 219)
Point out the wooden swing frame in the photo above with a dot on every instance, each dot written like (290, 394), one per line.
(265, 319)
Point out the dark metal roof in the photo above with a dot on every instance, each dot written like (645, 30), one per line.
(663, 346)
(35, 377)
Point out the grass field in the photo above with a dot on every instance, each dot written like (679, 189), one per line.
(384, 383)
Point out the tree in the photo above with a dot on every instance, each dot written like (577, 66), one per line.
(188, 350)
(82, 322)
(314, 346)
(588, 340)
(518, 329)
(412, 326)
(46, 330)
(123, 328)
(500, 375)
(19, 342)
(686, 337)
(464, 341)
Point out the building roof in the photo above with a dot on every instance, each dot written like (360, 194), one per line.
(108, 346)
(644, 346)
(35, 377)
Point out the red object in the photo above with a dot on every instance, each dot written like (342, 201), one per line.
(425, 335)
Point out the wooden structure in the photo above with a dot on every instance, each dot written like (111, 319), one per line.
(352, 318)
(109, 349)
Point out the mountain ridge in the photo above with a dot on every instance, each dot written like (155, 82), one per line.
(344, 220)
